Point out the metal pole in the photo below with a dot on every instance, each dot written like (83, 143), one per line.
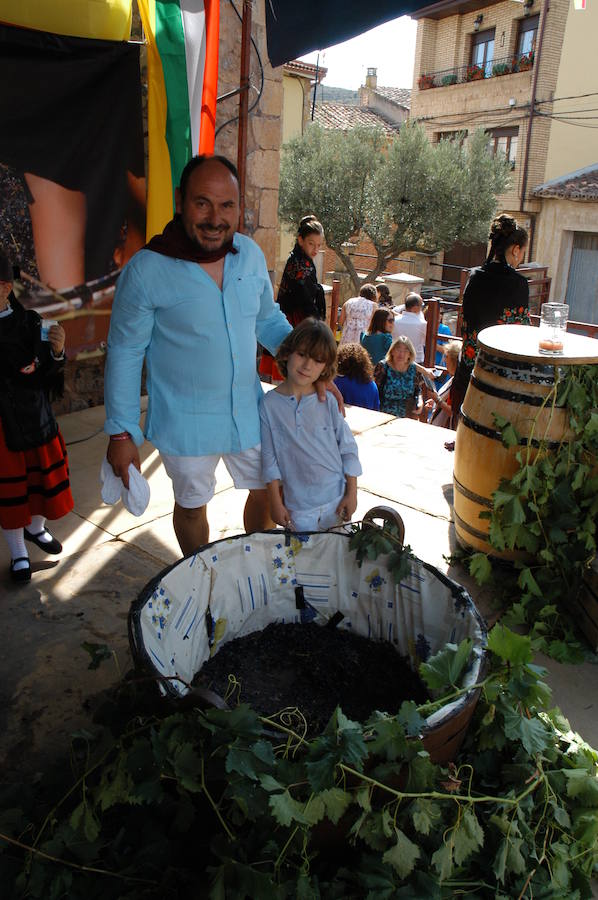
(336, 286)
(532, 107)
(243, 107)
(433, 319)
(313, 104)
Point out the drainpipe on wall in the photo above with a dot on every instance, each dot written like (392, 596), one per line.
(243, 108)
(532, 109)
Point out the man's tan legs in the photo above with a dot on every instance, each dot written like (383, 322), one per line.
(256, 515)
(191, 528)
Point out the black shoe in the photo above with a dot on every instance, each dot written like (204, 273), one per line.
(20, 574)
(52, 546)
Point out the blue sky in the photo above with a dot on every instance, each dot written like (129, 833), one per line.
(390, 48)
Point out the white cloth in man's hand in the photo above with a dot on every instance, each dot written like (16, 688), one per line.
(135, 499)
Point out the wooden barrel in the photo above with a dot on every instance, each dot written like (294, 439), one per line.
(510, 379)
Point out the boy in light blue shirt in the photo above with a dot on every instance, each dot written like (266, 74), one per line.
(310, 462)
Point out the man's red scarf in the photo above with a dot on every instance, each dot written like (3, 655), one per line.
(174, 241)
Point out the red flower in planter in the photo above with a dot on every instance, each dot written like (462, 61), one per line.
(474, 73)
(425, 81)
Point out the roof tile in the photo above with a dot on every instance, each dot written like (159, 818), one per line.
(343, 117)
(400, 96)
(580, 185)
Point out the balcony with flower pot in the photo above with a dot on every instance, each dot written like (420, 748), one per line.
(506, 65)
(425, 82)
(524, 62)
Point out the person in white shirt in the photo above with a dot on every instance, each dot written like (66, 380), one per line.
(356, 314)
(412, 324)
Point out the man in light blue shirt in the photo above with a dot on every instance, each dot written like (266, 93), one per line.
(193, 304)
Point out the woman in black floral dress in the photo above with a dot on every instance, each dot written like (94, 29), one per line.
(495, 295)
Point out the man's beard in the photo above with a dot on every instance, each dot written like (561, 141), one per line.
(224, 234)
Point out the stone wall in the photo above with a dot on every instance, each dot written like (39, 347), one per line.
(264, 125)
(556, 225)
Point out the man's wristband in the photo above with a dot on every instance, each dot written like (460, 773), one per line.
(123, 436)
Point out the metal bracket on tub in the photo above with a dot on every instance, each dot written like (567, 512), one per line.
(388, 515)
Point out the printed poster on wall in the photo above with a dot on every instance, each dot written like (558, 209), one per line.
(72, 181)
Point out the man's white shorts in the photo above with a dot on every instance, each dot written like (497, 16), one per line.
(194, 481)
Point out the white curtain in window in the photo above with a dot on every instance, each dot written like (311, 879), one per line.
(582, 283)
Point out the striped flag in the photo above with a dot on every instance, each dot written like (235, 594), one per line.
(182, 40)
(107, 20)
(579, 4)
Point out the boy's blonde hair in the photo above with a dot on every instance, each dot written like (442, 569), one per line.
(402, 339)
(316, 340)
(453, 349)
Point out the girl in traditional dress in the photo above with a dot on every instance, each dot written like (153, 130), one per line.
(34, 476)
(300, 295)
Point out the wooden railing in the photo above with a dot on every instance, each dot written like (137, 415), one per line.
(433, 318)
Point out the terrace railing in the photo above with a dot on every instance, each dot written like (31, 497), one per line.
(506, 65)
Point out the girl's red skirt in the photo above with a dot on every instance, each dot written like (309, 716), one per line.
(33, 483)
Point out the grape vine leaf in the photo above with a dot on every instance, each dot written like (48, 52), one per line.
(510, 647)
(426, 815)
(480, 568)
(467, 837)
(402, 855)
(286, 810)
(533, 733)
(444, 668)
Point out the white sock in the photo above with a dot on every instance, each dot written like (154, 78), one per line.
(38, 528)
(16, 544)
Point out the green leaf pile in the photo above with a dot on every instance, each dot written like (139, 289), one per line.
(224, 804)
(548, 510)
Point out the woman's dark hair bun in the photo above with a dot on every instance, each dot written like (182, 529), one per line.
(309, 225)
(502, 226)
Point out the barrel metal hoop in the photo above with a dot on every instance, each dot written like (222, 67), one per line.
(477, 498)
(514, 397)
(469, 529)
(495, 435)
(516, 369)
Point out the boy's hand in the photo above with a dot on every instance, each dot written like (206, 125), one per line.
(347, 506)
(280, 514)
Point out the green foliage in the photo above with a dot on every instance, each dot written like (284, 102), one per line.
(548, 510)
(370, 543)
(445, 668)
(223, 804)
(403, 192)
(99, 653)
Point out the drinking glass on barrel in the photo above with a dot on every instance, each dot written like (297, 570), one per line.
(553, 326)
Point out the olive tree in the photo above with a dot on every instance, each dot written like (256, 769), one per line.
(404, 193)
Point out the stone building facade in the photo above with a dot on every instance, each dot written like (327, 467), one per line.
(447, 98)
